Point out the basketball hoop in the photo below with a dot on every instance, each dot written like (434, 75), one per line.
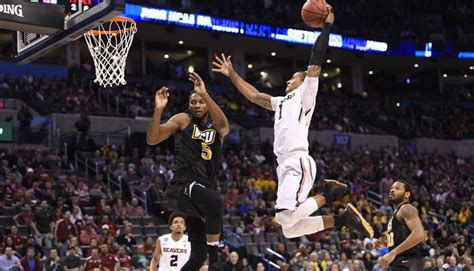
(109, 44)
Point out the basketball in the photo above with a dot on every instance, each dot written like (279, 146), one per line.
(314, 13)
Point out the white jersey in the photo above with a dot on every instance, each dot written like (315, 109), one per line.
(292, 119)
(174, 254)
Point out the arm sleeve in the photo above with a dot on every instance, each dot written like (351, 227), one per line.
(309, 90)
(275, 102)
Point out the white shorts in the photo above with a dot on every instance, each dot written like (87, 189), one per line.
(296, 175)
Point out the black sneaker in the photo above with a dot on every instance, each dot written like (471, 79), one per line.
(334, 190)
(353, 219)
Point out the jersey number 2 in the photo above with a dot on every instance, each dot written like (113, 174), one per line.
(174, 260)
(206, 152)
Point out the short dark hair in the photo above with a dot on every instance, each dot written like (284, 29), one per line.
(175, 215)
(408, 186)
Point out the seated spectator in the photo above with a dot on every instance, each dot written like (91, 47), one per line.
(126, 238)
(17, 238)
(136, 210)
(125, 261)
(233, 262)
(109, 261)
(72, 262)
(140, 260)
(93, 262)
(149, 246)
(30, 262)
(31, 243)
(9, 262)
(53, 262)
(25, 217)
(87, 234)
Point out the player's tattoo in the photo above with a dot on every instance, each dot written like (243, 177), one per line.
(264, 100)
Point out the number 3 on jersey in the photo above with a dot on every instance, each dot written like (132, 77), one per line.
(206, 152)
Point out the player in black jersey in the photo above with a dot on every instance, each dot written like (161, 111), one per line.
(198, 149)
(404, 232)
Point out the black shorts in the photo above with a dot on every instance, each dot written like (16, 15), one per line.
(407, 264)
(195, 209)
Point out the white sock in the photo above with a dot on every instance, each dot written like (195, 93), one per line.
(306, 226)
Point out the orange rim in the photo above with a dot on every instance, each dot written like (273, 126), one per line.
(118, 19)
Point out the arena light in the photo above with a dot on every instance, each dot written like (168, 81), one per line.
(180, 42)
(397, 104)
(339, 85)
(249, 66)
(466, 55)
(166, 56)
(471, 67)
(328, 61)
(273, 54)
(465, 76)
(371, 72)
(325, 74)
(416, 65)
(445, 75)
(190, 69)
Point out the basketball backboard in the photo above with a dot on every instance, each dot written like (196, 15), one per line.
(81, 16)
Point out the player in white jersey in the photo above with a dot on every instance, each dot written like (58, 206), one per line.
(172, 250)
(296, 168)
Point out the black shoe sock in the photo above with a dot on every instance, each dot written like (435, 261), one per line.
(213, 252)
(339, 220)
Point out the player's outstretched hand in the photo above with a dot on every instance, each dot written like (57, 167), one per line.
(223, 65)
(161, 98)
(330, 18)
(199, 86)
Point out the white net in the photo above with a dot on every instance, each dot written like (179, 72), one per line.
(109, 44)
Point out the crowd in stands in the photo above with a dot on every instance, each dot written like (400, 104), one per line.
(51, 219)
(394, 20)
(335, 110)
(444, 196)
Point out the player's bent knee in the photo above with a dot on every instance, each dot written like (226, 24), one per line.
(284, 218)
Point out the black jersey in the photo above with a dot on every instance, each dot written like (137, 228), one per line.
(397, 232)
(198, 151)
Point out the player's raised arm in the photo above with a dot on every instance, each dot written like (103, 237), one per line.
(156, 256)
(157, 132)
(318, 54)
(224, 66)
(217, 115)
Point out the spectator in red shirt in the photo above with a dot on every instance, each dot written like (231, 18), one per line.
(125, 261)
(94, 262)
(109, 261)
(17, 239)
(31, 263)
(64, 228)
(149, 247)
(87, 234)
(112, 227)
(25, 217)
